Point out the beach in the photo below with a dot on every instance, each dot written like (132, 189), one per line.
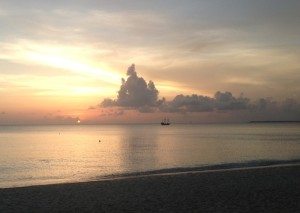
(257, 189)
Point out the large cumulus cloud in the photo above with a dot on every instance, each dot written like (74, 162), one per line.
(134, 92)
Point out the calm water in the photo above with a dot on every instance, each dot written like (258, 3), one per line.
(31, 155)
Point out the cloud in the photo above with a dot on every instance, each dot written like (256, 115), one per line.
(290, 105)
(91, 108)
(222, 101)
(226, 101)
(107, 102)
(35, 117)
(264, 104)
(147, 109)
(193, 103)
(112, 112)
(234, 48)
(134, 93)
(53, 118)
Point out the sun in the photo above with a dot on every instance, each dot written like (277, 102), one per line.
(78, 121)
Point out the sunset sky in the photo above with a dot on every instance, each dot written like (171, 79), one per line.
(60, 59)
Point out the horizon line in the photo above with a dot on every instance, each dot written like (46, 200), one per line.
(153, 123)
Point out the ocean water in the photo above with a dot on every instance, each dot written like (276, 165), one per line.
(34, 155)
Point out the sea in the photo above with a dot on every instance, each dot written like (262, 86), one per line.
(38, 155)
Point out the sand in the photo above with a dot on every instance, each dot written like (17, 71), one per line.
(265, 189)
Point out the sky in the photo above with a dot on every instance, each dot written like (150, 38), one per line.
(59, 61)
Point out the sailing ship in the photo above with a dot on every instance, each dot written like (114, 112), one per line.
(165, 121)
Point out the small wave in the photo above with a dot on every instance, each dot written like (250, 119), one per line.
(241, 165)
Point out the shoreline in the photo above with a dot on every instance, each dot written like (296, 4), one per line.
(203, 169)
(274, 188)
(175, 173)
(256, 164)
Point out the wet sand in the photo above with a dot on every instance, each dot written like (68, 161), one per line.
(264, 189)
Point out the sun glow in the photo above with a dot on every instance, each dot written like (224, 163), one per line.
(80, 60)
(63, 62)
(76, 59)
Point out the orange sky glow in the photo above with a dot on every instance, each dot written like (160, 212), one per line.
(60, 61)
